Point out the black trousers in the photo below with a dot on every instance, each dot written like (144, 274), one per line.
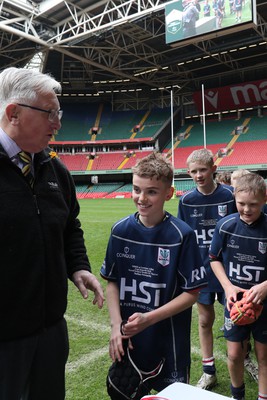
(33, 368)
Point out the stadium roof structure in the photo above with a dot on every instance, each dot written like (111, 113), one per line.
(115, 50)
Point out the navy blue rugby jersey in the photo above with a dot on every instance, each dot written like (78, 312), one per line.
(152, 266)
(242, 249)
(202, 212)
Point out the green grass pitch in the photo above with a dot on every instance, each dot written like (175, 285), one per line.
(89, 327)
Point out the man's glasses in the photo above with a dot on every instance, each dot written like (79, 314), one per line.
(53, 114)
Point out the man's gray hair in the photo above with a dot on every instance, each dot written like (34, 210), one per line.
(20, 85)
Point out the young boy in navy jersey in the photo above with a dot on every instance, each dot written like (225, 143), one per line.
(238, 256)
(237, 174)
(250, 366)
(154, 272)
(201, 208)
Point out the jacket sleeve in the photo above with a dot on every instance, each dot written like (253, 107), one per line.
(74, 243)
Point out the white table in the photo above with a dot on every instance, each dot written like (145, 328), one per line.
(182, 391)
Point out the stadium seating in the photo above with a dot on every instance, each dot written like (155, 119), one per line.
(135, 157)
(246, 149)
(102, 161)
(183, 185)
(79, 119)
(101, 190)
(124, 191)
(246, 154)
(77, 122)
(153, 122)
(256, 130)
(107, 161)
(118, 125)
(181, 155)
(77, 162)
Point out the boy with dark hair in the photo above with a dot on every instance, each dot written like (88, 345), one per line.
(154, 272)
(201, 208)
(239, 258)
(223, 177)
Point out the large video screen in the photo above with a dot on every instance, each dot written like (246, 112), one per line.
(186, 19)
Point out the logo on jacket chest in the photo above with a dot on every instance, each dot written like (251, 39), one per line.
(222, 210)
(163, 256)
(53, 185)
(262, 247)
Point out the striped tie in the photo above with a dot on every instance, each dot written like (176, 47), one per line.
(26, 160)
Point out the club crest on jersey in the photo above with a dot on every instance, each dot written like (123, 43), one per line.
(228, 323)
(262, 247)
(222, 210)
(163, 256)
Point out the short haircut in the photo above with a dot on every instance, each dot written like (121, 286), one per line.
(239, 172)
(252, 183)
(24, 85)
(154, 165)
(223, 177)
(203, 156)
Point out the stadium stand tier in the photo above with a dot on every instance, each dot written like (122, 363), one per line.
(97, 122)
(104, 190)
(77, 162)
(235, 142)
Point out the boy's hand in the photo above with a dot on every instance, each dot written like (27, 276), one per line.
(231, 294)
(245, 312)
(116, 350)
(257, 293)
(136, 323)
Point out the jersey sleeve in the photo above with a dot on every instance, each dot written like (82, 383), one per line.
(215, 250)
(181, 211)
(108, 270)
(192, 271)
